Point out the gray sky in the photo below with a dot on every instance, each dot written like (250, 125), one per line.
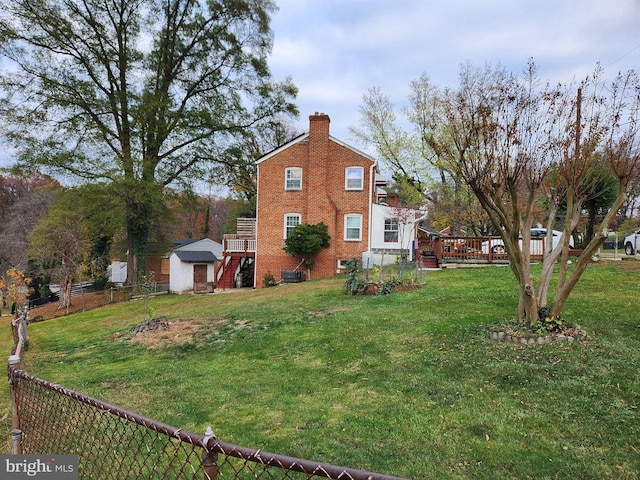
(335, 50)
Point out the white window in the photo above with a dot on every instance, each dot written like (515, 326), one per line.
(293, 178)
(291, 221)
(353, 226)
(390, 229)
(354, 178)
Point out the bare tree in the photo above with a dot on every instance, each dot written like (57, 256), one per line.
(23, 200)
(515, 142)
(617, 108)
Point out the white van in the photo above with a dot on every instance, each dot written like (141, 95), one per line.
(632, 243)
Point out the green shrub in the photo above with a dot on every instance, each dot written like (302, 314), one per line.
(269, 281)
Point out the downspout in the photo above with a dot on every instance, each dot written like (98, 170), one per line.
(414, 235)
(255, 254)
(371, 186)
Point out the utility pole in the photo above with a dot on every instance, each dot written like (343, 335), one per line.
(578, 120)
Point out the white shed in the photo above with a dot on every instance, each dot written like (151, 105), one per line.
(192, 267)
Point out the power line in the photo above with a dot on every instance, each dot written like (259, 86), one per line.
(623, 56)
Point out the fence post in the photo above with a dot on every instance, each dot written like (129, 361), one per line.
(209, 458)
(14, 387)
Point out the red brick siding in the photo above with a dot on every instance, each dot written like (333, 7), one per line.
(323, 198)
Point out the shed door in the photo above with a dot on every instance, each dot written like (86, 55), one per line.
(199, 274)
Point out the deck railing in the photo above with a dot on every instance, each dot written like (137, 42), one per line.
(475, 249)
(240, 245)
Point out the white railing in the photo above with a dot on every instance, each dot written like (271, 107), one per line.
(239, 245)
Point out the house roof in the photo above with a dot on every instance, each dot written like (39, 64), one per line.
(196, 256)
(431, 232)
(201, 251)
(305, 136)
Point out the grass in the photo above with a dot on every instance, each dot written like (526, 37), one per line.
(404, 384)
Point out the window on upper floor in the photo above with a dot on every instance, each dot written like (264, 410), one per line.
(391, 229)
(354, 178)
(293, 178)
(353, 226)
(291, 221)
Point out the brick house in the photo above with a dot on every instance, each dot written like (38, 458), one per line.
(317, 178)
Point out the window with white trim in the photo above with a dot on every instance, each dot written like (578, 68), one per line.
(293, 178)
(291, 221)
(353, 226)
(354, 178)
(391, 229)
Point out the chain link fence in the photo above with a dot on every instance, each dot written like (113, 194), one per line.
(112, 443)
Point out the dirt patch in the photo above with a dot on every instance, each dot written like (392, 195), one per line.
(168, 332)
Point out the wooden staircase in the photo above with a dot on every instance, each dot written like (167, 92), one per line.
(227, 273)
(428, 261)
(233, 269)
(239, 252)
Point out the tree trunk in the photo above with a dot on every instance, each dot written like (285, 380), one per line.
(564, 289)
(529, 303)
(140, 212)
(65, 284)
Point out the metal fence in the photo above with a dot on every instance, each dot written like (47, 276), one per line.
(112, 443)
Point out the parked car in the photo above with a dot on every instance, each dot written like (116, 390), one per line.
(535, 247)
(632, 243)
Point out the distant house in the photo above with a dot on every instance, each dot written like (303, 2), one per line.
(318, 178)
(117, 272)
(192, 267)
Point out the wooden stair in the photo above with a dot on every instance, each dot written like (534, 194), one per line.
(428, 262)
(226, 279)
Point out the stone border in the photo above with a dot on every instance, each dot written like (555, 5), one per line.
(503, 337)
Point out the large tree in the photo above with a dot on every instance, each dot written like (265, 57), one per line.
(517, 143)
(137, 93)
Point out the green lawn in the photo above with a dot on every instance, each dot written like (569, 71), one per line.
(405, 384)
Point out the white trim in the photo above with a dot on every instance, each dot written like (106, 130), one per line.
(283, 147)
(304, 137)
(286, 225)
(347, 216)
(359, 152)
(346, 177)
(394, 221)
(287, 179)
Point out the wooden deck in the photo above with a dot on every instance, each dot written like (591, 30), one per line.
(474, 250)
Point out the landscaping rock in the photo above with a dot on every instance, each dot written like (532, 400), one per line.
(151, 325)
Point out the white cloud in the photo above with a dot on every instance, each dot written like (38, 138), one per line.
(336, 49)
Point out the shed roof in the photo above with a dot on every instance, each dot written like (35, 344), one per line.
(195, 256)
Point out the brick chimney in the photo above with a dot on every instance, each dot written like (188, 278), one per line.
(318, 126)
(317, 169)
